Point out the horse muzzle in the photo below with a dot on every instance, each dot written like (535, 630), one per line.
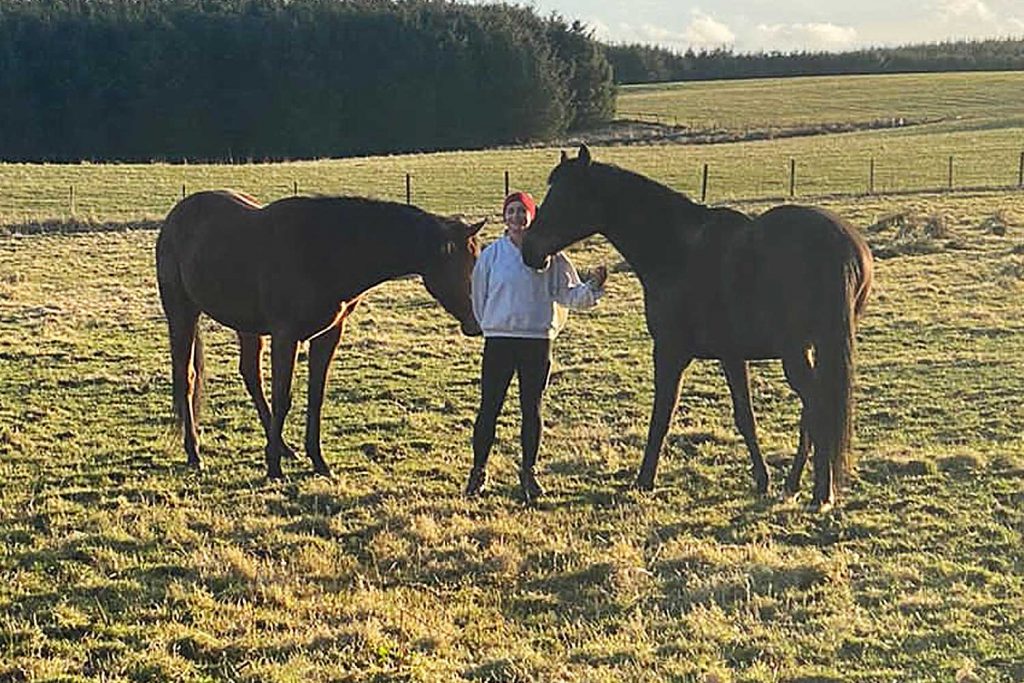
(532, 257)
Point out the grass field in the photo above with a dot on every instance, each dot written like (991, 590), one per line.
(118, 564)
(963, 99)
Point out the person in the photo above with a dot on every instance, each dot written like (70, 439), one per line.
(520, 311)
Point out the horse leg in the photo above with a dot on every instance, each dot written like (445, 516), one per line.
(250, 365)
(185, 379)
(668, 370)
(800, 375)
(321, 352)
(824, 483)
(743, 414)
(282, 366)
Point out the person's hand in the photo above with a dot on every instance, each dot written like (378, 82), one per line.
(598, 276)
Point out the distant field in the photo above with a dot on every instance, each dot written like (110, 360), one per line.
(969, 99)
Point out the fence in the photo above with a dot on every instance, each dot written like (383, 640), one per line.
(715, 181)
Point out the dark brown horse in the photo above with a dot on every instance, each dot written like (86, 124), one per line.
(293, 270)
(719, 284)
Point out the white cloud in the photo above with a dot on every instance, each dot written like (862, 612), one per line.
(957, 10)
(705, 31)
(601, 30)
(813, 36)
(646, 34)
(702, 32)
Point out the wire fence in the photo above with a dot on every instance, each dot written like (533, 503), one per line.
(127, 193)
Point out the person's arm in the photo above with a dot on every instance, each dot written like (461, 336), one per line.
(479, 284)
(567, 288)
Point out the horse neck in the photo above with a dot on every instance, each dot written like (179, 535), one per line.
(408, 249)
(649, 224)
(402, 251)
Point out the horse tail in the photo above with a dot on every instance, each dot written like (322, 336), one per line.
(199, 381)
(835, 367)
(866, 265)
(182, 321)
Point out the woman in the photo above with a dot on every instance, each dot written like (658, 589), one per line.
(521, 311)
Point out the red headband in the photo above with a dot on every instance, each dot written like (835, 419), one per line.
(523, 198)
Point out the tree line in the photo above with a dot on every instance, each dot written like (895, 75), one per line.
(271, 79)
(638, 63)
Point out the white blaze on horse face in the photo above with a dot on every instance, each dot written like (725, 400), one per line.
(517, 221)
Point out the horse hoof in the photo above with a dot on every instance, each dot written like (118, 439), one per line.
(643, 484)
(820, 507)
(762, 485)
(477, 479)
(322, 470)
(531, 489)
(193, 464)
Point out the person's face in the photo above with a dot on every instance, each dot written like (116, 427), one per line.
(517, 220)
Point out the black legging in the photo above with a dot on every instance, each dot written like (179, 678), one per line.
(503, 356)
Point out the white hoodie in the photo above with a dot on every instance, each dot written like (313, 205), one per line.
(510, 299)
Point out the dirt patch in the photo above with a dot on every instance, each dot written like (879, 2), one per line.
(911, 234)
(73, 225)
(626, 131)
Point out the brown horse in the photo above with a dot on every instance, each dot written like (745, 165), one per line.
(719, 284)
(294, 270)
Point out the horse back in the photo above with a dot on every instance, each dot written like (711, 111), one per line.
(214, 215)
(827, 239)
(211, 246)
(755, 286)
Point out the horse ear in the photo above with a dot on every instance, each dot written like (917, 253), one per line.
(475, 228)
(584, 154)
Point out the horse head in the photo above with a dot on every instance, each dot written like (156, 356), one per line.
(449, 274)
(568, 213)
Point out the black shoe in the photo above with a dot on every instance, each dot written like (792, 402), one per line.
(477, 479)
(531, 489)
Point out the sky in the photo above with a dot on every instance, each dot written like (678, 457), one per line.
(788, 25)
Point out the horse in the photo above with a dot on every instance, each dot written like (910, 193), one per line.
(718, 284)
(293, 270)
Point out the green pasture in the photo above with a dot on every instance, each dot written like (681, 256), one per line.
(964, 99)
(119, 564)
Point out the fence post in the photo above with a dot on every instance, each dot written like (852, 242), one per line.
(506, 185)
(951, 172)
(183, 190)
(792, 177)
(704, 186)
(408, 189)
(71, 199)
(871, 177)
(295, 188)
(1020, 171)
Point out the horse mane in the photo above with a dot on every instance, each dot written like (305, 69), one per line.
(413, 232)
(383, 211)
(635, 183)
(644, 185)
(246, 199)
